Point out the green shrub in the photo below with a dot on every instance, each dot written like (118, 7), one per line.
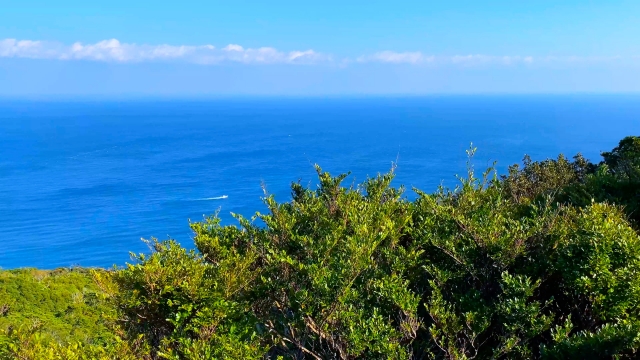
(615, 180)
(65, 301)
(543, 262)
(30, 343)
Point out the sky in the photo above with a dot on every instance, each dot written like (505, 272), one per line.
(277, 47)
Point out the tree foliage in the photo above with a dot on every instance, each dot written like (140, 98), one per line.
(64, 303)
(542, 262)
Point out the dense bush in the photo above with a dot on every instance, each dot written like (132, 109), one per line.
(543, 262)
(27, 343)
(615, 180)
(59, 314)
(64, 302)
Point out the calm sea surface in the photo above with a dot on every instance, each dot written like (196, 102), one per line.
(82, 182)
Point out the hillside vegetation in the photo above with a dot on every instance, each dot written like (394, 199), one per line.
(543, 262)
(64, 303)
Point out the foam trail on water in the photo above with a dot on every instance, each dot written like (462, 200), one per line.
(213, 198)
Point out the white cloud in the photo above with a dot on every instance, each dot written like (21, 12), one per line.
(470, 59)
(269, 55)
(26, 49)
(233, 47)
(488, 59)
(583, 59)
(114, 51)
(416, 58)
(393, 57)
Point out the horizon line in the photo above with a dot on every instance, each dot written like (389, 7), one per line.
(140, 96)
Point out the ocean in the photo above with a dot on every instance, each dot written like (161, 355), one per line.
(81, 182)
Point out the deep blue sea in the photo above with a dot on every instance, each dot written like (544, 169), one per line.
(81, 182)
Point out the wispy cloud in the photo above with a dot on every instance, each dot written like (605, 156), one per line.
(487, 59)
(25, 49)
(397, 57)
(266, 55)
(115, 51)
(471, 60)
(417, 58)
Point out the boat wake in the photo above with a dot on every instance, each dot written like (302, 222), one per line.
(213, 198)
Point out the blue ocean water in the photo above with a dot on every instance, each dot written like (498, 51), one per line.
(81, 182)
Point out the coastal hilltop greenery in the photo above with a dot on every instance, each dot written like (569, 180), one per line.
(542, 262)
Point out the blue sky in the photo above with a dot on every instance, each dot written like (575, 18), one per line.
(184, 48)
